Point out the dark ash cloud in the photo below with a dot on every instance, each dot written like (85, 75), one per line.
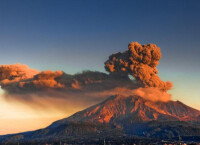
(140, 61)
(60, 90)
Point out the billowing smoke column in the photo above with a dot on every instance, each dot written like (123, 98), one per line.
(140, 61)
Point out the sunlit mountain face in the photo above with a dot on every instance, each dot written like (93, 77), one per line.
(119, 116)
(129, 109)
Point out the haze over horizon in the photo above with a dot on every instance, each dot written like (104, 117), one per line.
(74, 36)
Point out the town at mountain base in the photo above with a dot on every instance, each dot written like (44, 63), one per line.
(120, 118)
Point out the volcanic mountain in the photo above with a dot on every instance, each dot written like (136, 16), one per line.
(121, 116)
(119, 109)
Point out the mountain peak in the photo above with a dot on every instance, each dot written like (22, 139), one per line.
(121, 109)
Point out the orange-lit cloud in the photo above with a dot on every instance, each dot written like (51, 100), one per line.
(61, 91)
(48, 89)
(16, 72)
(45, 79)
(140, 61)
(21, 82)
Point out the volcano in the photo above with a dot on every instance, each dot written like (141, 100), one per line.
(120, 109)
(121, 116)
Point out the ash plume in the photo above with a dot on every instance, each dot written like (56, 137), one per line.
(20, 79)
(62, 91)
(16, 72)
(140, 61)
(43, 80)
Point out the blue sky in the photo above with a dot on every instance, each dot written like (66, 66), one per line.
(76, 35)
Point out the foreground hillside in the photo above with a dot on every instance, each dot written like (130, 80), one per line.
(120, 117)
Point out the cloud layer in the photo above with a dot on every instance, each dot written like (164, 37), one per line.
(19, 78)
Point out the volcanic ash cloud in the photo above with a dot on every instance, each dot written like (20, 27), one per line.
(59, 90)
(16, 72)
(140, 61)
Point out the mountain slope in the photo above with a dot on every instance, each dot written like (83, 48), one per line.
(120, 109)
(120, 116)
